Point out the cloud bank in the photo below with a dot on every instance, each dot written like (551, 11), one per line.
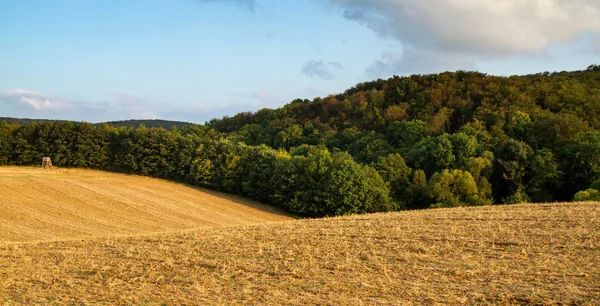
(122, 106)
(455, 32)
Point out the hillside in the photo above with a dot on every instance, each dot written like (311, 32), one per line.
(37, 204)
(522, 254)
(150, 123)
(422, 141)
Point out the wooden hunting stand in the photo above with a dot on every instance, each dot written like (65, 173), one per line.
(46, 162)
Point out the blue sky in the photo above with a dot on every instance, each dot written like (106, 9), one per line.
(194, 60)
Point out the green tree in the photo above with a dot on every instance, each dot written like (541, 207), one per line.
(218, 164)
(61, 137)
(258, 166)
(289, 137)
(587, 195)
(90, 145)
(283, 180)
(453, 188)
(432, 154)
(464, 148)
(369, 147)
(418, 194)
(405, 134)
(590, 194)
(254, 134)
(330, 185)
(6, 142)
(520, 127)
(542, 180)
(512, 164)
(23, 154)
(393, 169)
(478, 130)
(581, 160)
(481, 168)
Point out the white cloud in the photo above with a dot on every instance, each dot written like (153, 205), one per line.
(466, 30)
(42, 104)
(26, 103)
(33, 100)
(486, 27)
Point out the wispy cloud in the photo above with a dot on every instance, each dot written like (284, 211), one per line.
(33, 100)
(121, 106)
(134, 106)
(336, 65)
(321, 70)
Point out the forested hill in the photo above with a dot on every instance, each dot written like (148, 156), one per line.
(166, 124)
(441, 140)
(22, 121)
(445, 102)
(527, 128)
(150, 123)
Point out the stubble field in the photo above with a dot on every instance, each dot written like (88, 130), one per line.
(540, 254)
(38, 204)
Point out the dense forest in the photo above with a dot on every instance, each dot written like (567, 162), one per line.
(440, 140)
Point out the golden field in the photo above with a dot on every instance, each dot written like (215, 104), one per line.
(38, 204)
(522, 254)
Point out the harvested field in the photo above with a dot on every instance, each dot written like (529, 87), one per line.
(522, 254)
(38, 204)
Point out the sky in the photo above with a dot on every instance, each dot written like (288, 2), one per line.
(194, 60)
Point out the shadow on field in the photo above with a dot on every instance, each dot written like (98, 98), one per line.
(244, 201)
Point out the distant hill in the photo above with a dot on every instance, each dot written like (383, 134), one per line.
(24, 121)
(166, 124)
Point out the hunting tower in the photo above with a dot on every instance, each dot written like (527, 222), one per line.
(46, 162)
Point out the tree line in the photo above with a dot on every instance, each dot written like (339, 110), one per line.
(308, 180)
(524, 138)
(442, 140)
